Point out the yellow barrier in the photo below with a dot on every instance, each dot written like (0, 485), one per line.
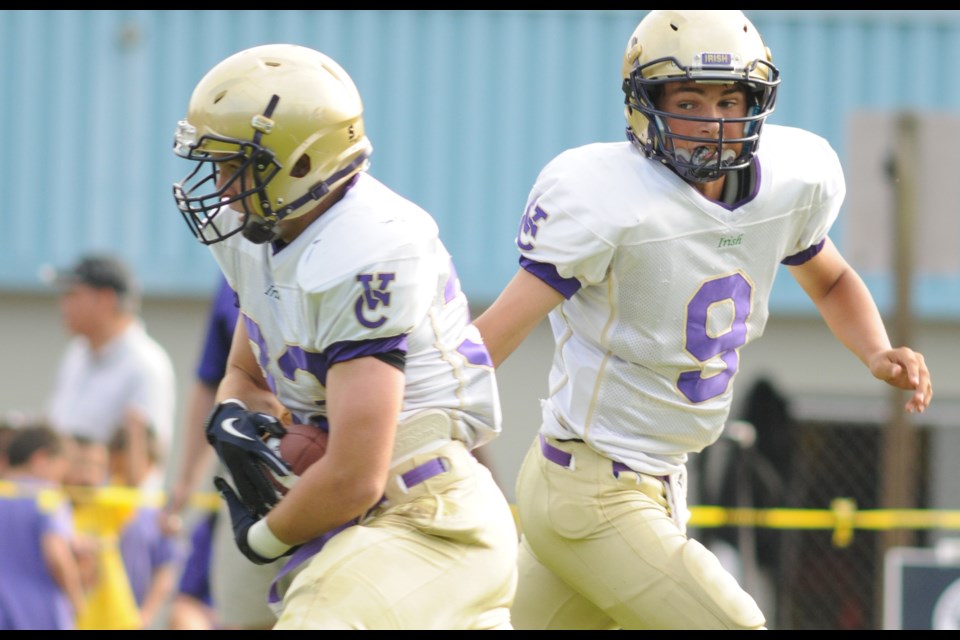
(843, 517)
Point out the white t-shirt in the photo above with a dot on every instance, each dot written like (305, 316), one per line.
(93, 391)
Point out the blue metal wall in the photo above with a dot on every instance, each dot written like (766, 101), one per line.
(463, 108)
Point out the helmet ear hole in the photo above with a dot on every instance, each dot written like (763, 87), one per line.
(301, 168)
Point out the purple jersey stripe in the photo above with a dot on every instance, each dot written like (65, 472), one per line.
(548, 273)
(804, 256)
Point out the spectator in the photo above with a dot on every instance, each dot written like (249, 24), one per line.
(40, 586)
(89, 465)
(147, 551)
(111, 366)
(86, 474)
(99, 515)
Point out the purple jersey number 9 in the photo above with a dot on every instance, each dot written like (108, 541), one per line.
(705, 345)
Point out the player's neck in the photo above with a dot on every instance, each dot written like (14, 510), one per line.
(292, 228)
(712, 190)
(731, 188)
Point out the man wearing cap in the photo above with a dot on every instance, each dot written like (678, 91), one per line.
(112, 373)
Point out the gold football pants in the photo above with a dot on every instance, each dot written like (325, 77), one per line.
(438, 555)
(600, 550)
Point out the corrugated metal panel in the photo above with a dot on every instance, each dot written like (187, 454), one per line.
(839, 64)
(463, 107)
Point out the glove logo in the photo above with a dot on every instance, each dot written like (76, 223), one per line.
(227, 425)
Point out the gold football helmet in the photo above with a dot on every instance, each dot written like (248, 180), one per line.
(285, 123)
(702, 46)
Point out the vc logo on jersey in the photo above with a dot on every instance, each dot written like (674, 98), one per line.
(529, 226)
(373, 297)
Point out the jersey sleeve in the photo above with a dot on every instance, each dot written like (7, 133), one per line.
(379, 300)
(561, 228)
(828, 195)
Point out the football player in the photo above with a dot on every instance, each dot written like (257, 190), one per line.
(654, 259)
(351, 319)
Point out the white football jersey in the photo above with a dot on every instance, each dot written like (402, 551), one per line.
(369, 276)
(664, 287)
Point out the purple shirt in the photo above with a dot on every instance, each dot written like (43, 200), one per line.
(29, 597)
(144, 549)
(216, 344)
(195, 579)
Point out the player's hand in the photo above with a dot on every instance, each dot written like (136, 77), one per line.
(905, 368)
(242, 518)
(237, 436)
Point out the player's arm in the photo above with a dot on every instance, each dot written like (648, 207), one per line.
(364, 398)
(243, 378)
(246, 412)
(852, 315)
(523, 303)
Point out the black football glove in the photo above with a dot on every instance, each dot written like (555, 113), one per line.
(242, 518)
(237, 436)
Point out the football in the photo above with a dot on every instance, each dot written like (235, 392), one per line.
(299, 447)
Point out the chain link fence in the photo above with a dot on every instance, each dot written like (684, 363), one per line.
(803, 579)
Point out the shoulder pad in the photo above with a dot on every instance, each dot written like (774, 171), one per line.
(351, 245)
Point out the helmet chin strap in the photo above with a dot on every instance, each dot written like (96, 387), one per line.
(324, 187)
(260, 231)
(257, 229)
